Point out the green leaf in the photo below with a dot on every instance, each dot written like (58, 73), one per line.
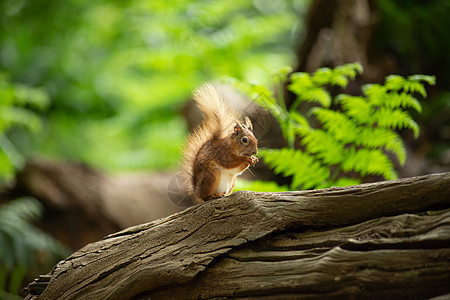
(342, 73)
(303, 87)
(356, 108)
(394, 82)
(15, 224)
(337, 76)
(369, 162)
(415, 86)
(402, 100)
(375, 93)
(431, 80)
(306, 171)
(322, 76)
(324, 146)
(396, 118)
(382, 137)
(35, 97)
(410, 85)
(298, 120)
(337, 124)
(349, 70)
(11, 115)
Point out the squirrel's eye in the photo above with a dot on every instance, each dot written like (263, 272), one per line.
(244, 140)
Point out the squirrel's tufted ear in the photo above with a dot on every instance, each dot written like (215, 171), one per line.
(248, 124)
(237, 128)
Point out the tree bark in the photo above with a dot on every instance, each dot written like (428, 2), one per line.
(364, 241)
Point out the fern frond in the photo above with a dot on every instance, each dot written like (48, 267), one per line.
(402, 100)
(396, 118)
(414, 87)
(375, 93)
(382, 137)
(342, 73)
(11, 115)
(16, 221)
(410, 85)
(356, 108)
(394, 82)
(350, 70)
(431, 80)
(369, 162)
(34, 97)
(298, 119)
(293, 126)
(322, 76)
(306, 90)
(306, 171)
(21, 95)
(337, 76)
(324, 146)
(338, 124)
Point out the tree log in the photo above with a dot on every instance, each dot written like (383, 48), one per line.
(364, 241)
(82, 204)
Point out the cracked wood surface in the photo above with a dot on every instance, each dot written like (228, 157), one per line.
(405, 256)
(215, 241)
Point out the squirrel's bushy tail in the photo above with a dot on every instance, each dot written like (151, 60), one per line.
(218, 117)
(218, 122)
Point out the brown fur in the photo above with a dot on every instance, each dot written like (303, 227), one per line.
(216, 150)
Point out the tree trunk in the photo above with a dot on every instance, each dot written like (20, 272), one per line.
(375, 240)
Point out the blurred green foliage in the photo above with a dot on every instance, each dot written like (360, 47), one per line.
(23, 247)
(18, 107)
(118, 71)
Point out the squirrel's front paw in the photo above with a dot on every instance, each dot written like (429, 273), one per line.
(252, 160)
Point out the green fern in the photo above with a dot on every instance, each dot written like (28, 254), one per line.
(18, 104)
(353, 139)
(377, 138)
(23, 246)
(305, 169)
(306, 89)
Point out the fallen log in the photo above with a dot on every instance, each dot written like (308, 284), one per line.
(367, 241)
(82, 204)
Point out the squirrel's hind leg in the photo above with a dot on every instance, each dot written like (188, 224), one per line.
(207, 184)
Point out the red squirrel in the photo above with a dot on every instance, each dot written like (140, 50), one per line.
(217, 150)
